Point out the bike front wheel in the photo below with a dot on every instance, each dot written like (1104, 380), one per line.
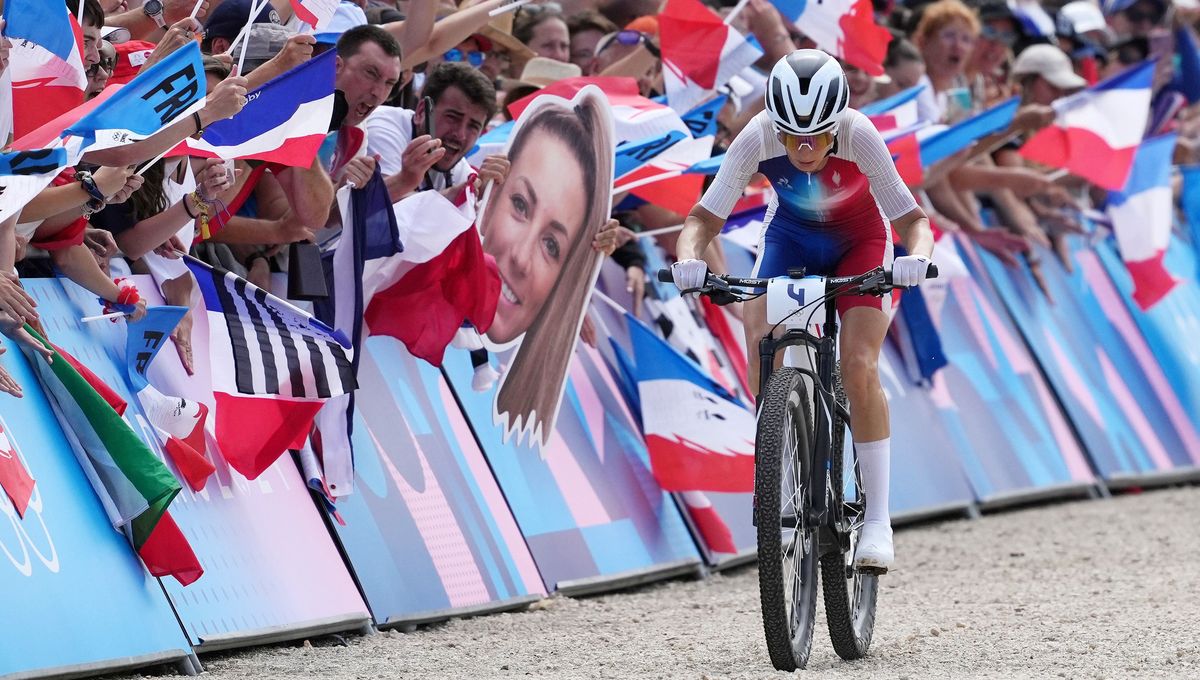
(787, 545)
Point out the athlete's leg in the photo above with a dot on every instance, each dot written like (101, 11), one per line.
(862, 333)
(754, 320)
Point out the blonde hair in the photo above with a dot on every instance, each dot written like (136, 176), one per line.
(530, 391)
(940, 14)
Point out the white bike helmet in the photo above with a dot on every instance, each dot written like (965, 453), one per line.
(807, 93)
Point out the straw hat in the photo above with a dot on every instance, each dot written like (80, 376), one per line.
(540, 72)
(499, 32)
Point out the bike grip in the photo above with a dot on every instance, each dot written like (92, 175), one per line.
(665, 276)
(931, 272)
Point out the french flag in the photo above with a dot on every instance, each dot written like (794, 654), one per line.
(698, 439)
(664, 179)
(1141, 213)
(284, 121)
(897, 119)
(48, 77)
(1097, 131)
(700, 52)
(635, 117)
(273, 367)
(843, 28)
(315, 13)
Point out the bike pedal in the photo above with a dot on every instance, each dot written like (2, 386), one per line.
(876, 571)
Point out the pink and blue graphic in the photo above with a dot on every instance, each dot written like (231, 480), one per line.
(588, 506)
(427, 531)
(1124, 423)
(270, 565)
(1171, 326)
(1006, 426)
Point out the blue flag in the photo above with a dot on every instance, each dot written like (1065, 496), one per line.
(702, 120)
(958, 137)
(633, 155)
(884, 105)
(706, 167)
(37, 162)
(145, 338)
(159, 96)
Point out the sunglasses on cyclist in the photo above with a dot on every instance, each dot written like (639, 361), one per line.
(817, 142)
(474, 58)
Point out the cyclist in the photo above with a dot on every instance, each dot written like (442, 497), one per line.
(836, 190)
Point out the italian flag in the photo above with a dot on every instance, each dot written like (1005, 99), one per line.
(133, 484)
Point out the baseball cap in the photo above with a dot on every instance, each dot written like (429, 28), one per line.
(227, 19)
(115, 34)
(345, 18)
(131, 55)
(1050, 63)
(262, 44)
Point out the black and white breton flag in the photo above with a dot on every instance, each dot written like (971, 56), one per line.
(263, 345)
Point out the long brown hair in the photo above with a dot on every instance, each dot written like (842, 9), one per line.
(530, 390)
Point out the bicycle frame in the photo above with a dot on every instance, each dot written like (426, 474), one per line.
(824, 405)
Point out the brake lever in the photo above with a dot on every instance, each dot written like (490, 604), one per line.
(722, 297)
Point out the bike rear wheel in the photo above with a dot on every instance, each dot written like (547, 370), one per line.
(850, 595)
(787, 546)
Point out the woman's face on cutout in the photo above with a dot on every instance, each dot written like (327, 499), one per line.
(533, 220)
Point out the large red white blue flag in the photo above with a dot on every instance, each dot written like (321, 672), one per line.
(273, 366)
(48, 77)
(1142, 213)
(843, 28)
(284, 121)
(1097, 131)
(700, 53)
(698, 438)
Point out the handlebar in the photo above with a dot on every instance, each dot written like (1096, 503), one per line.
(722, 288)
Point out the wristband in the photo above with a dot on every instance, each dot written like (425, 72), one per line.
(89, 185)
(199, 125)
(187, 209)
(127, 298)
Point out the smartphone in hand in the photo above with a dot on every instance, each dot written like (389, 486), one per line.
(427, 105)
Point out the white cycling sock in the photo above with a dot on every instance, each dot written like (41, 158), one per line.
(875, 463)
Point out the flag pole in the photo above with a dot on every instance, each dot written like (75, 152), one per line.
(196, 9)
(737, 9)
(596, 294)
(511, 7)
(101, 317)
(154, 160)
(254, 10)
(79, 15)
(660, 232)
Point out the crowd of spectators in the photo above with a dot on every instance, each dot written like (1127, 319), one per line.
(243, 215)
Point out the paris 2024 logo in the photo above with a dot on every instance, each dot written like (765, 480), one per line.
(22, 540)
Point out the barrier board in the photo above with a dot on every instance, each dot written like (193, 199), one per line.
(1172, 326)
(1008, 430)
(589, 509)
(75, 595)
(427, 531)
(271, 569)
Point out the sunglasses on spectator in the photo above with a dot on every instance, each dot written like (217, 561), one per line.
(474, 58)
(107, 64)
(1006, 38)
(817, 142)
(626, 37)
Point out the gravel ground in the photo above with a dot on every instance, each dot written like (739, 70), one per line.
(1091, 589)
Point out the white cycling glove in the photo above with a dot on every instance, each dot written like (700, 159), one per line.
(689, 274)
(909, 270)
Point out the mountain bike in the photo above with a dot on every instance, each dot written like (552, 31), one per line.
(809, 503)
